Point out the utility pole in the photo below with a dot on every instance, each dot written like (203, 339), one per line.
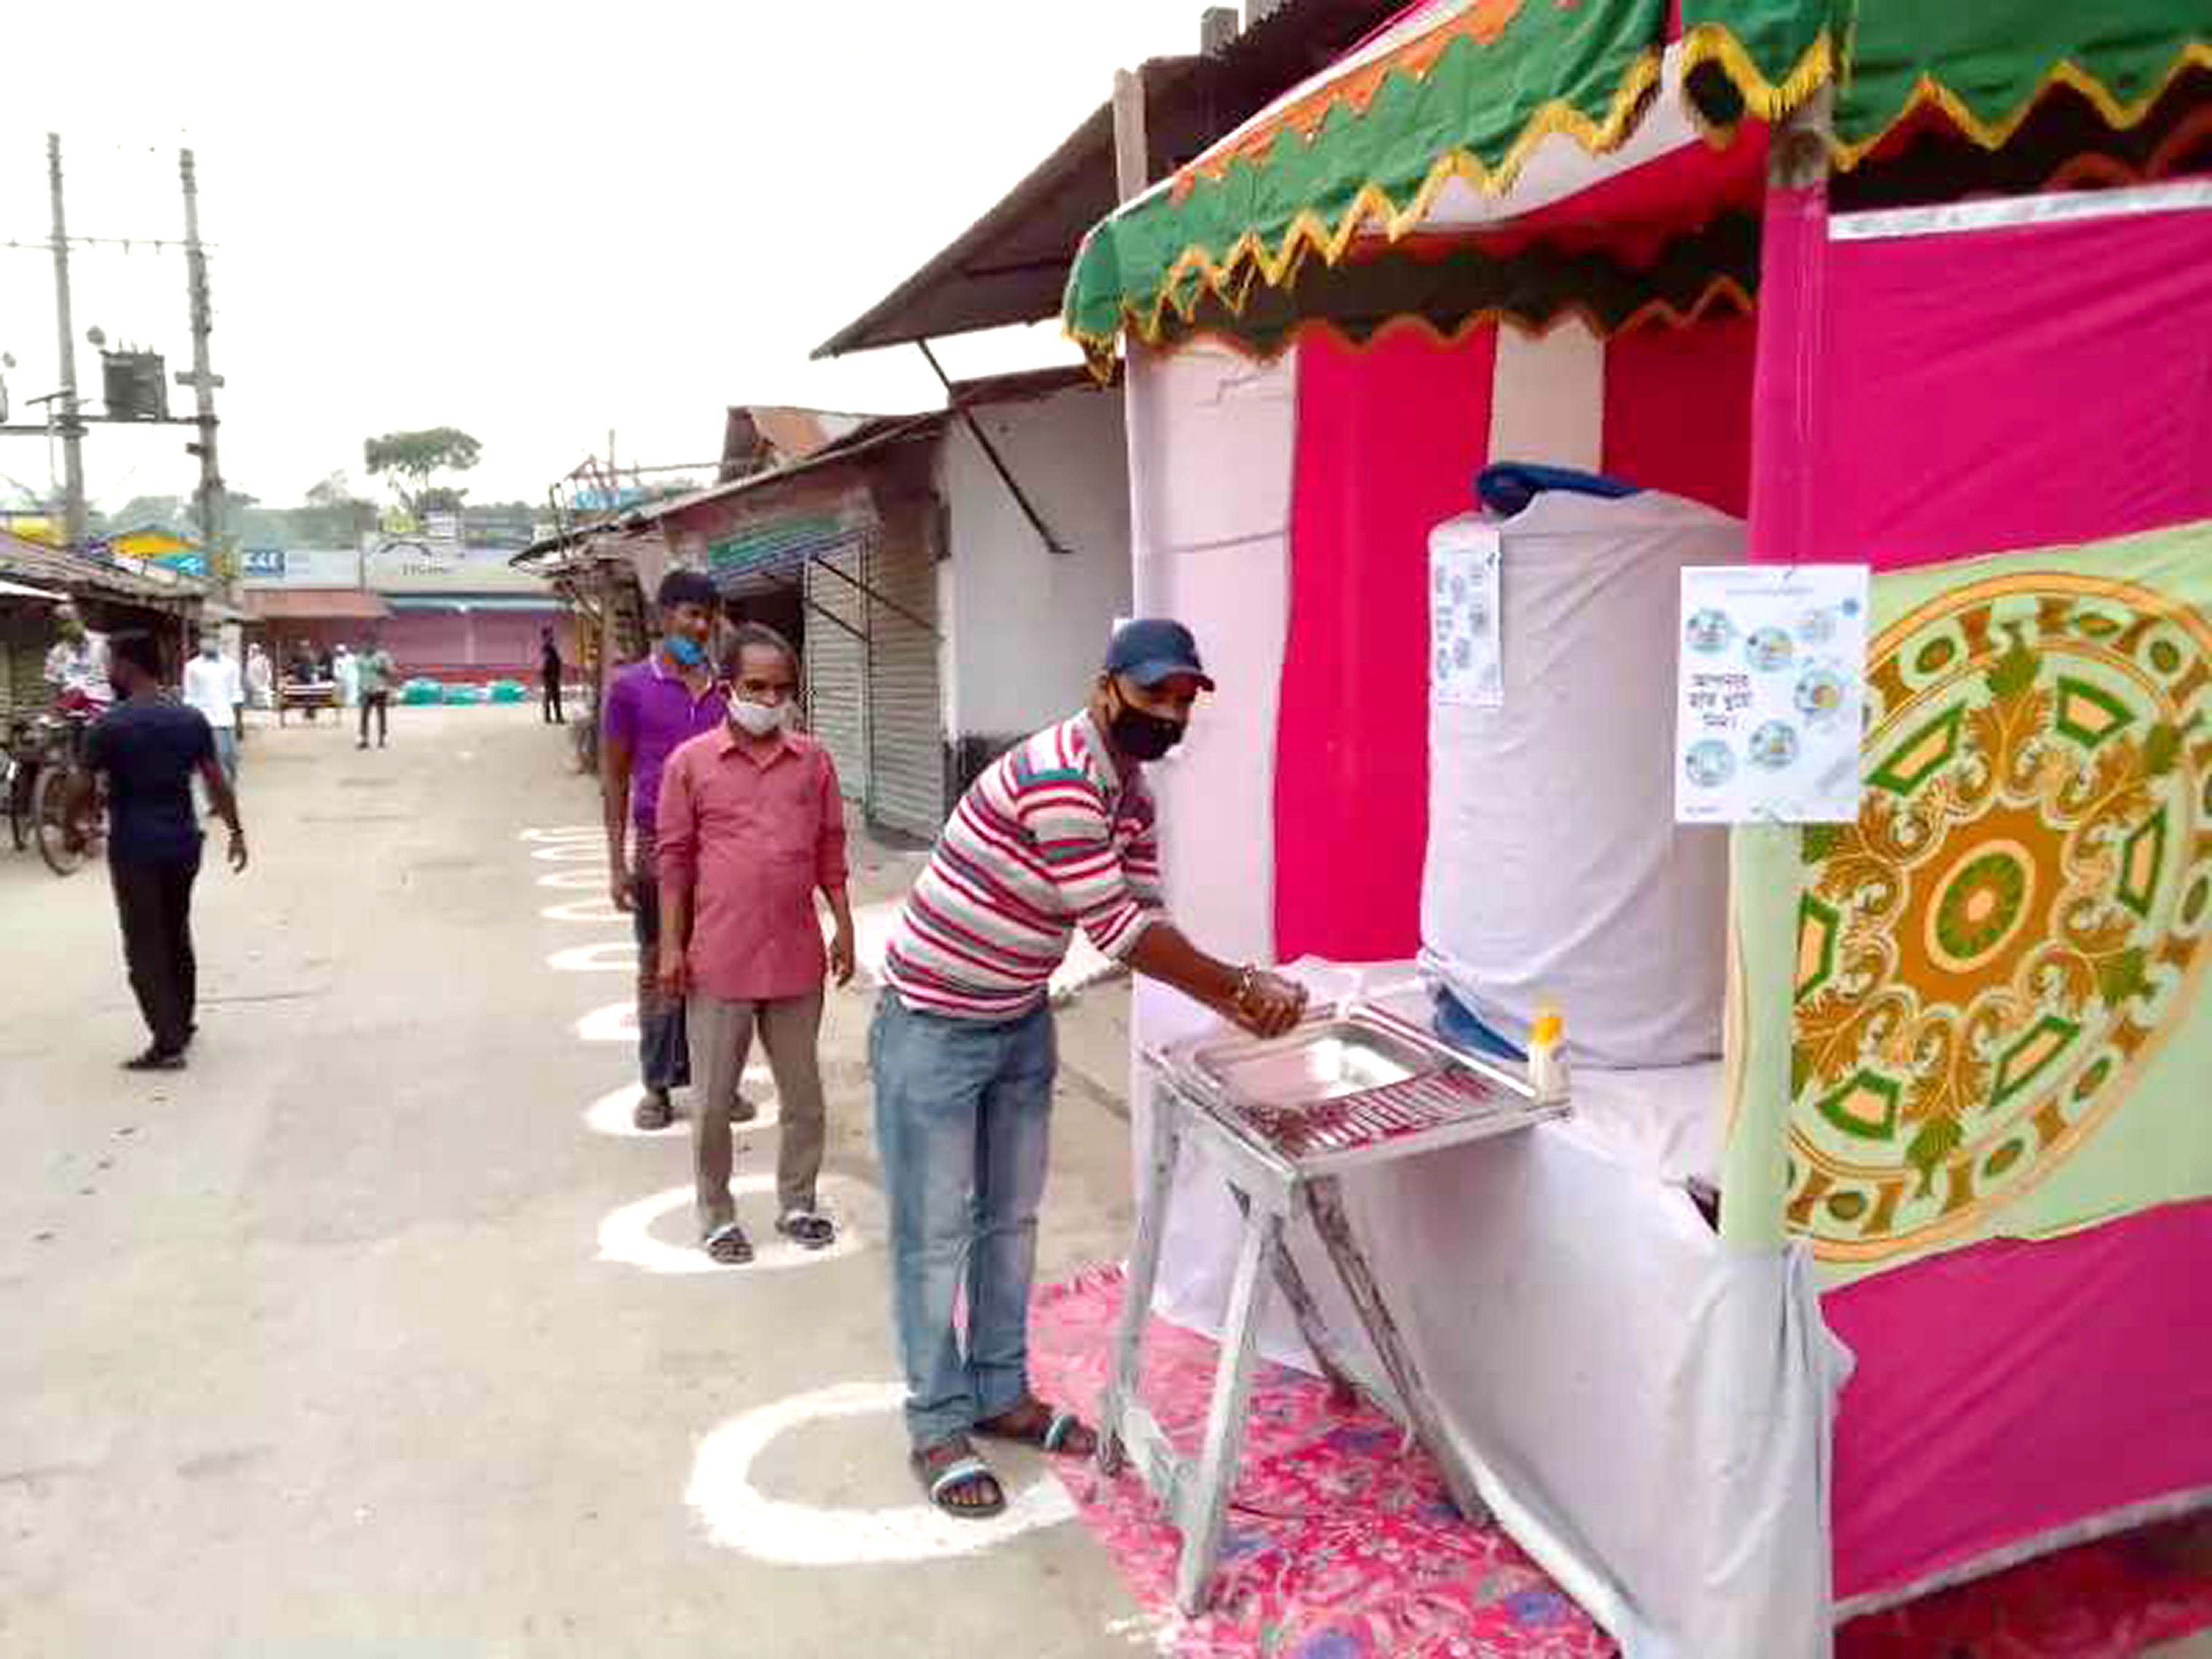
(202, 380)
(72, 429)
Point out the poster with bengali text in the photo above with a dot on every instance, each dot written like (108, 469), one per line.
(1772, 694)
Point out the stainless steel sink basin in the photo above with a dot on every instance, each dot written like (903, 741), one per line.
(1351, 1083)
(1323, 1060)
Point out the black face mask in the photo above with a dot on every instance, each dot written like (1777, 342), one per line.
(1141, 736)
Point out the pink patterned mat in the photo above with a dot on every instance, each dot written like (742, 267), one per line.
(1339, 1548)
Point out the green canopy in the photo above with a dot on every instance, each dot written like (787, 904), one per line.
(1466, 90)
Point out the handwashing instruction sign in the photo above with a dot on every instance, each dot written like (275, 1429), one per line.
(1772, 690)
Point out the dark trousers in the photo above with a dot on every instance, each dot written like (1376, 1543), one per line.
(663, 1048)
(154, 904)
(552, 701)
(380, 704)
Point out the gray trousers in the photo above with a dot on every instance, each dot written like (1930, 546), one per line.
(721, 1037)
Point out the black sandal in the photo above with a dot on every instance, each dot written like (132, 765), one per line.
(810, 1229)
(156, 1060)
(728, 1245)
(951, 1466)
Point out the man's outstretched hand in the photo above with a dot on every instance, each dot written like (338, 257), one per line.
(1270, 1005)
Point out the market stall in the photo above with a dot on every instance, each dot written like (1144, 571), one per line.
(1850, 287)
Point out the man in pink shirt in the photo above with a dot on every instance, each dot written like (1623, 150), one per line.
(751, 825)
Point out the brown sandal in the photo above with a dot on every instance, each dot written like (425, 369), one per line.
(1033, 1423)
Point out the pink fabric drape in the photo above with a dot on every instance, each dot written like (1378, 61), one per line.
(2010, 1389)
(1927, 397)
(1678, 410)
(1389, 439)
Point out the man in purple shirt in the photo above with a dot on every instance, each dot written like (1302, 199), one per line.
(653, 705)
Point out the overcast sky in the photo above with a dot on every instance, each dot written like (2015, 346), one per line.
(532, 222)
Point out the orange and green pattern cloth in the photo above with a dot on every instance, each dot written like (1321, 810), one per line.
(1978, 1010)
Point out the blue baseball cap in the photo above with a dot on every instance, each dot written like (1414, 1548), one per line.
(1152, 649)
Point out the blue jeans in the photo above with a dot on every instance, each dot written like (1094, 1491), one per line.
(664, 1051)
(964, 1114)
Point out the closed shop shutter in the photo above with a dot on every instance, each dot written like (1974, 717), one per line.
(836, 713)
(24, 636)
(906, 720)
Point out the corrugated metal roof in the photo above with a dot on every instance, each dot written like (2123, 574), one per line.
(50, 566)
(316, 605)
(1011, 266)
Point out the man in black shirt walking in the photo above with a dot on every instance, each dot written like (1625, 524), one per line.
(147, 747)
(549, 671)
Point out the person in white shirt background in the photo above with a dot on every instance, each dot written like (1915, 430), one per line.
(77, 665)
(214, 686)
(345, 669)
(260, 674)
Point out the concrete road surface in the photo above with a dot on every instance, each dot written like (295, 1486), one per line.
(312, 1351)
(359, 1339)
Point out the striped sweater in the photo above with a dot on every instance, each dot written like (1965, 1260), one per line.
(1048, 839)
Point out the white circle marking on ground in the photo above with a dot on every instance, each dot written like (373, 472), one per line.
(578, 852)
(614, 955)
(740, 1516)
(616, 1023)
(626, 1237)
(600, 910)
(610, 1114)
(575, 880)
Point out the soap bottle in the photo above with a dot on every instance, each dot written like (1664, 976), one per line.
(1547, 1059)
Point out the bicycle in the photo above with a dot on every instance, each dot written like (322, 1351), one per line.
(45, 758)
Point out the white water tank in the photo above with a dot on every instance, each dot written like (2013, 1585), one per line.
(1556, 875)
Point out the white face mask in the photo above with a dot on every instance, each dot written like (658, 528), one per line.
(759, 719)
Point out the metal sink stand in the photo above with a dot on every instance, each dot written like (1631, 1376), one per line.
(1270, 1184)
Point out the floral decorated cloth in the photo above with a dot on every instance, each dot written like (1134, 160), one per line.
(1978, 1011)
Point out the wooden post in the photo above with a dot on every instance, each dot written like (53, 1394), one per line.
(1132, 153)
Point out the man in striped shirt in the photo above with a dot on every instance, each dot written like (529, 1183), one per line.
(1058, 834)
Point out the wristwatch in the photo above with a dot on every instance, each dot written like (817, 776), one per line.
(1247, 977)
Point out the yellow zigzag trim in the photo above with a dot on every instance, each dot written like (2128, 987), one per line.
(1231, 276)
(1995, 135)
(1714, 43)
(1721, 293)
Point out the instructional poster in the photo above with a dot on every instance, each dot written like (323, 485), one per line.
(1772, 690)
(1467, 670)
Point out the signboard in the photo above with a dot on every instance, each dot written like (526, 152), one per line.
(301, 567)
(1772, 689)
(421, 565)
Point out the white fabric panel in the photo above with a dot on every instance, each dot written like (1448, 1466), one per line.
(1211, 440)
(1210, 452)
(1547, 397)
(1551, 878)
(1649, 1413)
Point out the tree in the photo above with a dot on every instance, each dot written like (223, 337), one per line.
(440, 498)
(333, 516)
(411, 458)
